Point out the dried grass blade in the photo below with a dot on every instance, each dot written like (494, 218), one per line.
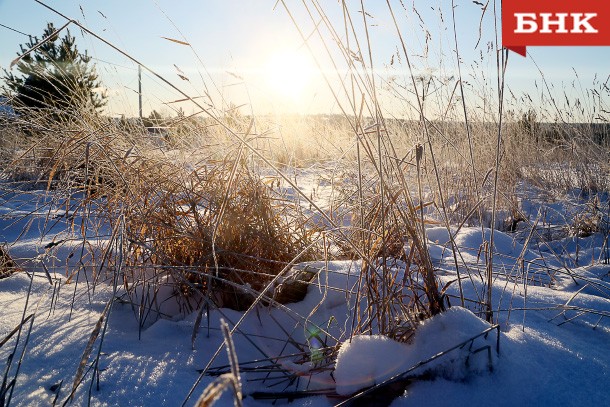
(226, 332)
(47, 273)
(52, 174)
(83, 362)
(197, 325)
(182, 100)
(14, 331)
(214, 390)
(176, 41)
(40, 44)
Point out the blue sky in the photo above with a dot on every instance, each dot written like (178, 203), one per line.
(239, 50)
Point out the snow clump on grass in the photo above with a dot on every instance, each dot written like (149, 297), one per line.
(371, 359)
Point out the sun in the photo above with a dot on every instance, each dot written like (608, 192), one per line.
(289, 74)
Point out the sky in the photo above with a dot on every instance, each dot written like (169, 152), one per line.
(249, 53)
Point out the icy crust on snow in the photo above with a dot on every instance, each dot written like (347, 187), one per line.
(370, 359)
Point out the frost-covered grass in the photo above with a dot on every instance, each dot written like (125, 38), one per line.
(406, 236)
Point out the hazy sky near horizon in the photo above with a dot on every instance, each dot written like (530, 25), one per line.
(248, 53)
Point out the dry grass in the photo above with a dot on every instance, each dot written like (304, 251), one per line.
(202, 227)
(213, 229)
(200, 224)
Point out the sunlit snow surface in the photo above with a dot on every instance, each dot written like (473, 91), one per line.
(370, 359)
(543, 359)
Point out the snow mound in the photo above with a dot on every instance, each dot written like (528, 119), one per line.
(371, 359)
(438, 235)
(368, 360)
(471, 240)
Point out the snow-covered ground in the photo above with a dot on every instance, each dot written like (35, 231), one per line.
(555, 353)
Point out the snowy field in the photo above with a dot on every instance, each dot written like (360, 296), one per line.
(551, 345)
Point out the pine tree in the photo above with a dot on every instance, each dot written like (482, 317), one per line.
(56, 76)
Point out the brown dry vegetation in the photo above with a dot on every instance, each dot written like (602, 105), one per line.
(191, 211)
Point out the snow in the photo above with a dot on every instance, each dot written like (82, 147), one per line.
(546, 357)
(368, 360)
(371, 359)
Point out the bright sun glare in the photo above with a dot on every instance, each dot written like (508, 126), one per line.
(288, 74)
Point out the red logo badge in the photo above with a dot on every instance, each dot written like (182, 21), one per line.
(554, 22)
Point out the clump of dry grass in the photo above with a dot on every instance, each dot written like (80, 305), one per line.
(217, 229)
(588, 220)
(387, 233)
